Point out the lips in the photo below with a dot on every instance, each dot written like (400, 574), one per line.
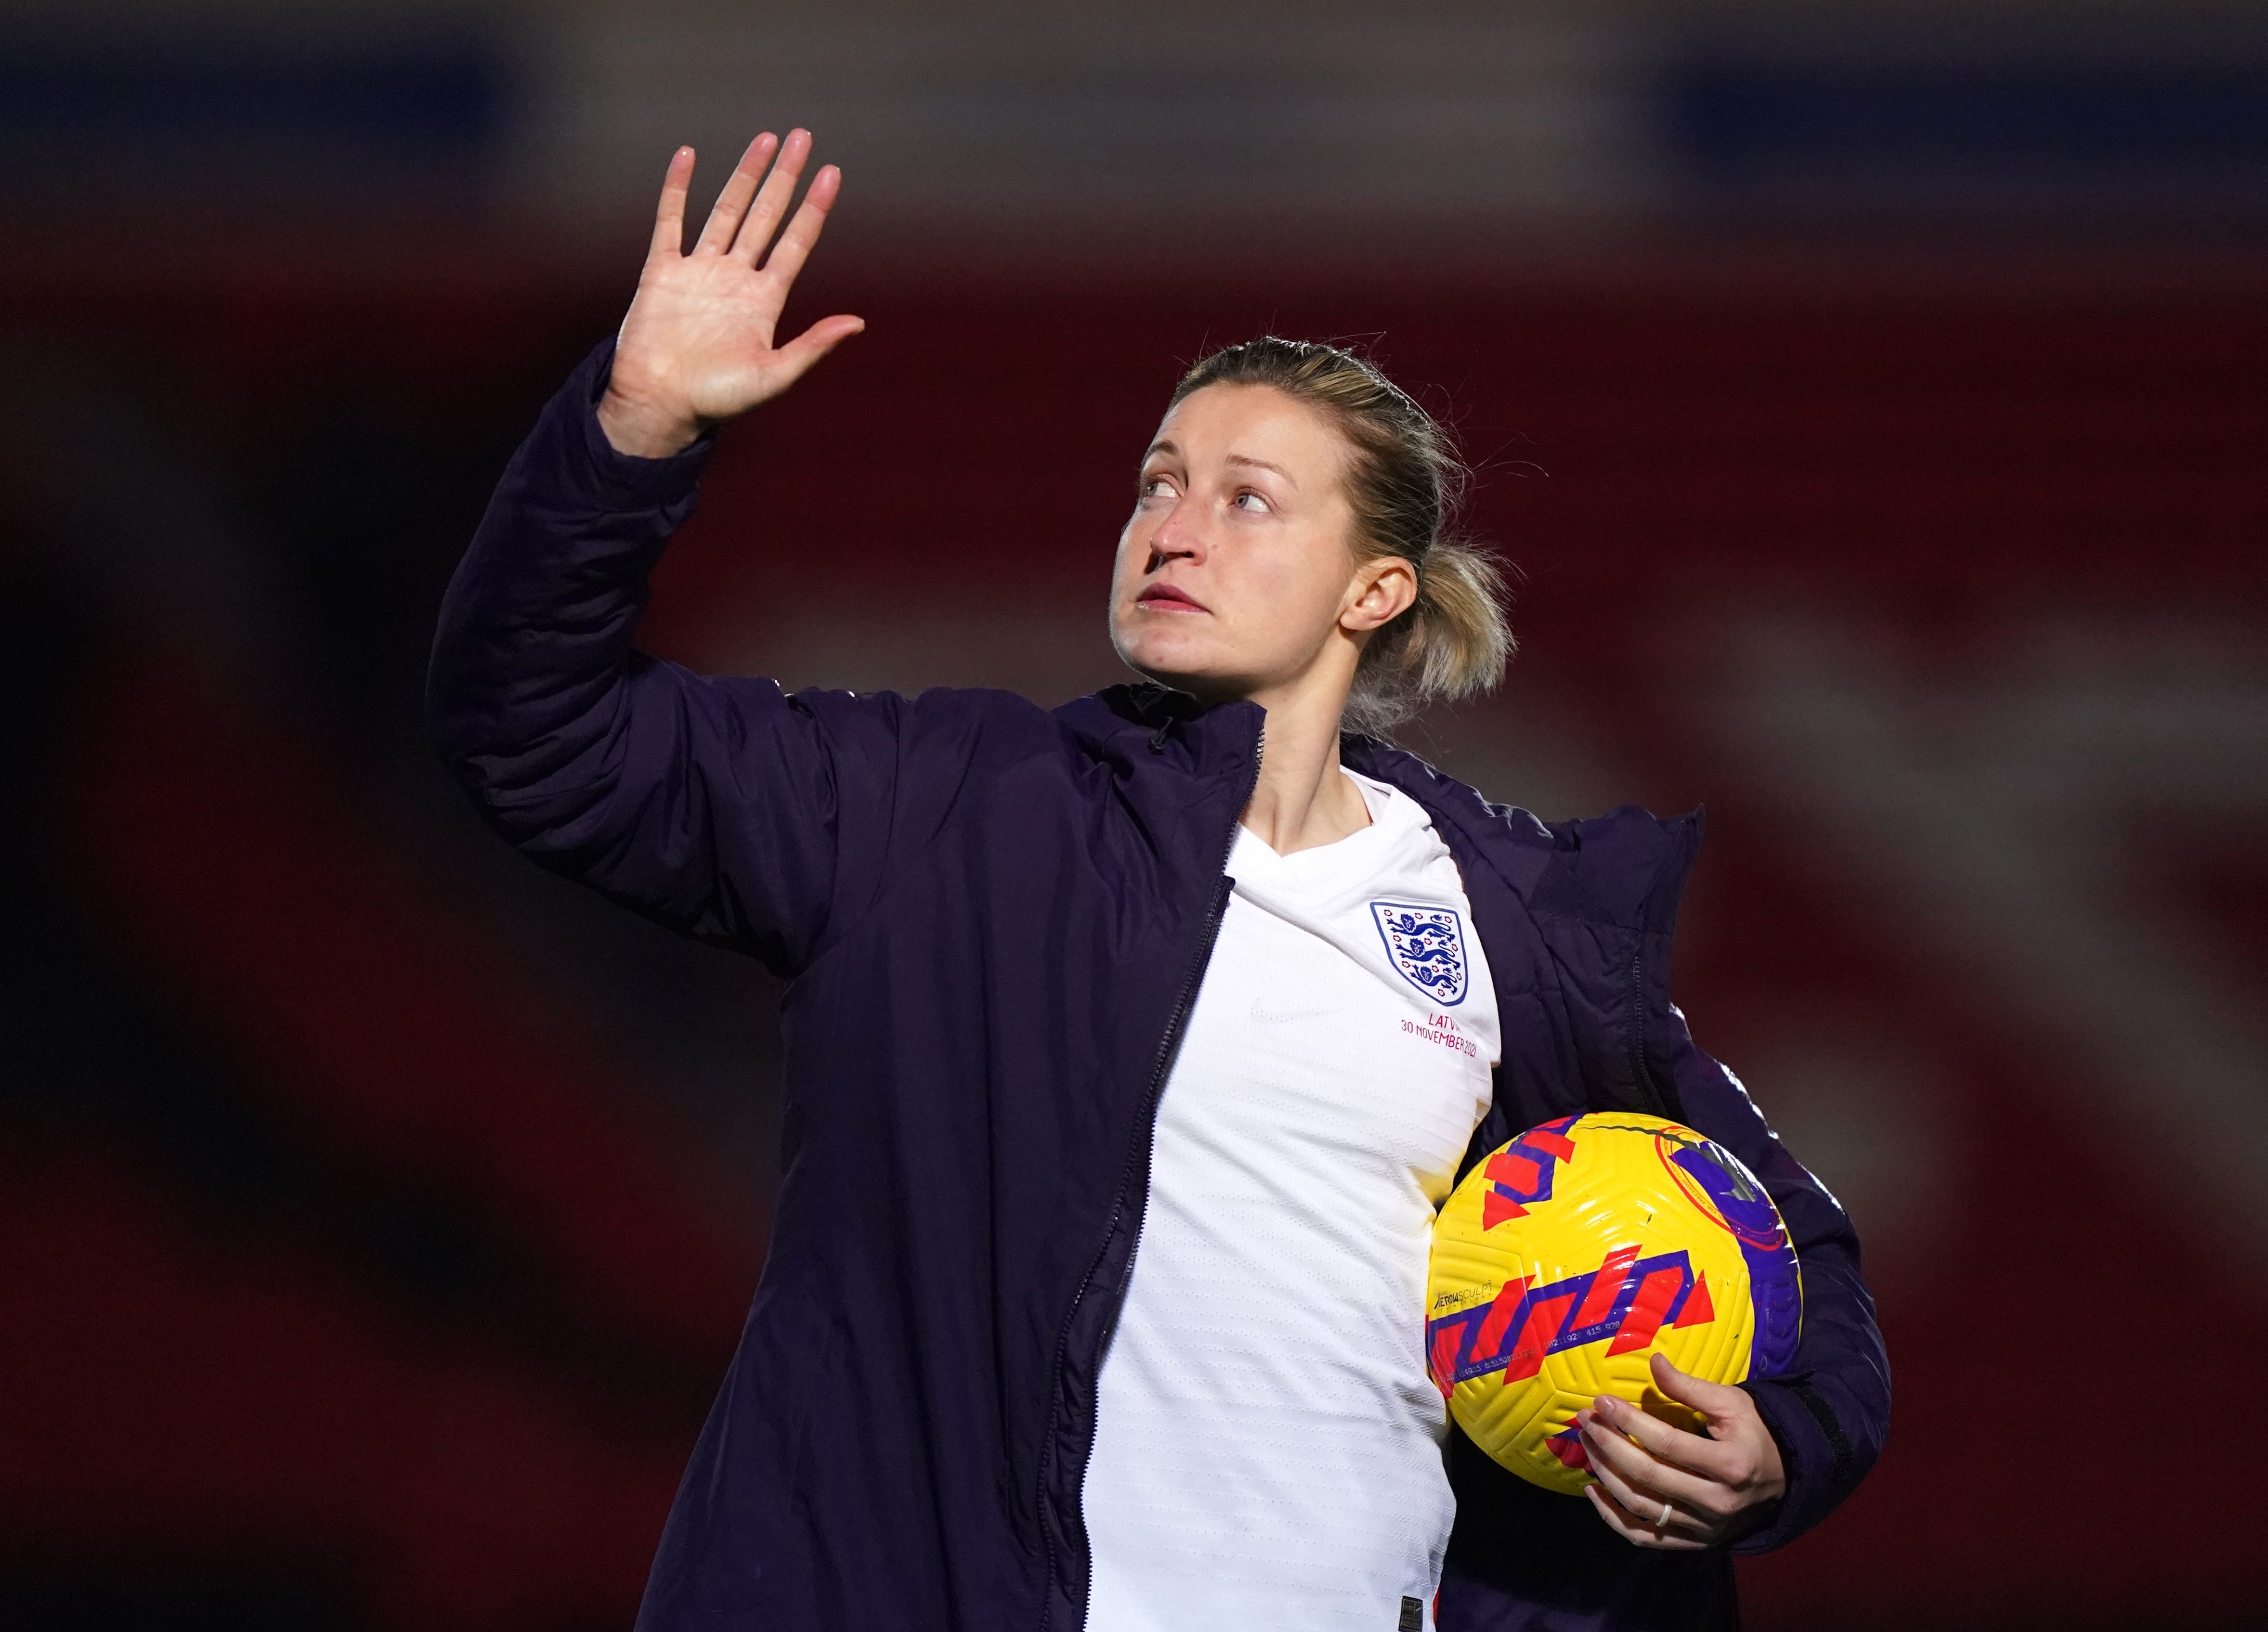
(1167, 598)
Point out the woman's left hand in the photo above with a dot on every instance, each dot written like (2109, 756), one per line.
(1663, 1487)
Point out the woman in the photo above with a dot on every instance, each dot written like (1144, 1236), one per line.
(1070, 984)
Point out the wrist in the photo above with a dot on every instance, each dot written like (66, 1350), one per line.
(642, 432)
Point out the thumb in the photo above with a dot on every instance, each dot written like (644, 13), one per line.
(1713, 1400)
(795, 358)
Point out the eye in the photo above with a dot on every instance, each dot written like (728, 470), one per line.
(1156, 487)
(1248, 500)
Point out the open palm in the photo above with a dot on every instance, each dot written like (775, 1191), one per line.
(697, 344)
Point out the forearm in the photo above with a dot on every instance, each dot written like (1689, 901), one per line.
(1830, 1411)
(533, 651)
(533, 648)
(709, 804)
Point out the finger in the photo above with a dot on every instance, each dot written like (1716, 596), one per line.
(1712, 1399)
(789, 254)
(1622, 1468)
(795, 359)
(772, 198)
(1635, 1528)
(1696, 1453)
(1631, 1529)
(1645, 1508)
(1619, 1521)
(732, 202)
(669, 214)
(1641, 1482)
(1638, 1481)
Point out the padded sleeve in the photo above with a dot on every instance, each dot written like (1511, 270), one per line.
(720, 807)
(1830, 1412)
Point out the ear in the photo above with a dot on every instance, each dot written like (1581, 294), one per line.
(1383, 589)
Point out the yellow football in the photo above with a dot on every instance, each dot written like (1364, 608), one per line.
(1575, 1252)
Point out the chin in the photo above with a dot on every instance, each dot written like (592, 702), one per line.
(1154, 654)
(1207, 687)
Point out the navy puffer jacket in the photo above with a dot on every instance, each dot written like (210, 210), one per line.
(1027, 899)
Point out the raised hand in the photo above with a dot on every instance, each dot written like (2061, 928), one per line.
(1662, 1487)
(696, 346)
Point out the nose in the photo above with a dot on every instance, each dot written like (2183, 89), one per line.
(1179, 537)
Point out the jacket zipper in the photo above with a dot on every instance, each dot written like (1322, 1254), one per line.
(1649, 1092)
(1145, 1144)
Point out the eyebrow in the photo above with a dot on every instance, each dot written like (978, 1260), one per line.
(1246, 458)
(1165, 445)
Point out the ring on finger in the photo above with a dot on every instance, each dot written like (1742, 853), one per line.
(1663, 1523)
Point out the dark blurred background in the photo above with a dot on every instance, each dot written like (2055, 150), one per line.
(1871, 393)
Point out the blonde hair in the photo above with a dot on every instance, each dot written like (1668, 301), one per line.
(1404, 484)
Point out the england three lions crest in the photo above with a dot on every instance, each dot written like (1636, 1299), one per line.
(1427, 944)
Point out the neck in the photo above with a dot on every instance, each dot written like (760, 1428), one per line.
(1302, 800)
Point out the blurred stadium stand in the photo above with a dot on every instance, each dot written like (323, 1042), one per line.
(1871, 396)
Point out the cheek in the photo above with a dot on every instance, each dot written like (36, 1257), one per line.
(1126, 563)
(1297, 589)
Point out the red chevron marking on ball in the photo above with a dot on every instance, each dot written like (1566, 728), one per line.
(1444, 1359)
(1568, 1446)
(1535, 1334)
(1543, 1139)
(1499, 1317)
(1698, 1310)
(1647, 1311)
(1606, 1286)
